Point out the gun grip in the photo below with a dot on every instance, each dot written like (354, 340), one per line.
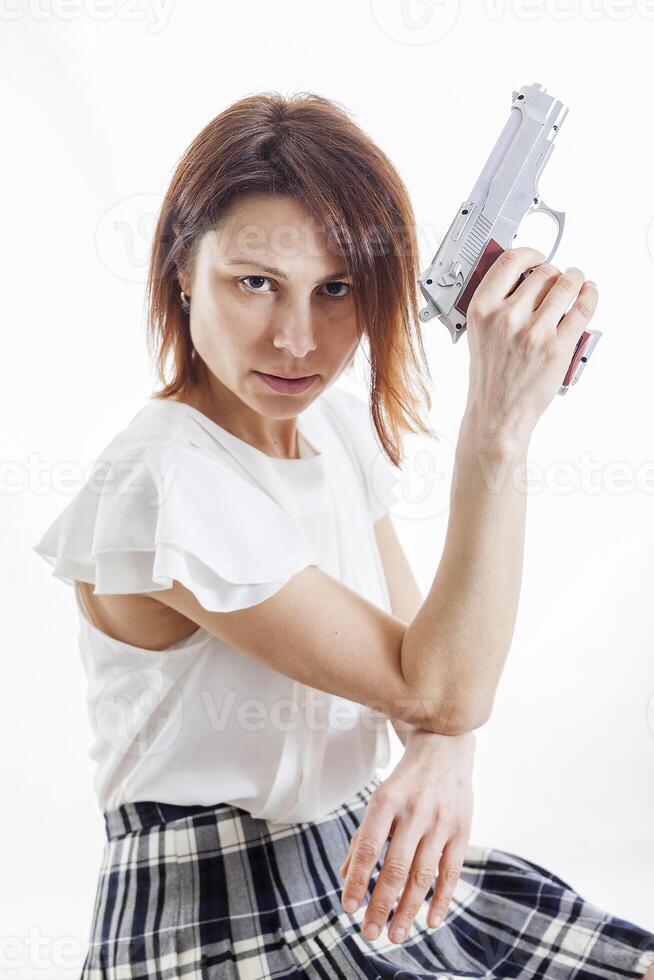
(585, 346)
(492, 252)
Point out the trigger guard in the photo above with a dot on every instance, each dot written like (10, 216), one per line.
(558, 217)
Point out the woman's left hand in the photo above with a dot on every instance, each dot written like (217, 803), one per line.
(425, 806)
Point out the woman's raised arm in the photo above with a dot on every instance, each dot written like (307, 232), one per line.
(439, 672)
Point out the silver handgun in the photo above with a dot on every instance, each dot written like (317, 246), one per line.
(488, 220)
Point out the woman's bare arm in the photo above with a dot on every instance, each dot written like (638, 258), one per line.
(324, 634)
(441, 670)
(472, 604)
(403, 590)
(405, 599)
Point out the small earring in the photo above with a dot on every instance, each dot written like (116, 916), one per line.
(185, 301)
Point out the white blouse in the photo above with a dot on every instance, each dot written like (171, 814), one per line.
(176, 496)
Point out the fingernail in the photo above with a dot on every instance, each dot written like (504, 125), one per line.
(435, 922)
(350, 905)
(371, 931)
(591, 282)
(398, 935)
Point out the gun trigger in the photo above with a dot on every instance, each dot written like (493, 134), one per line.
(557, 216)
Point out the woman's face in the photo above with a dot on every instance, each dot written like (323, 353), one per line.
(267, 296)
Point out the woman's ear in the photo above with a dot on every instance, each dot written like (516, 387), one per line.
(183, 270)
(184, 280)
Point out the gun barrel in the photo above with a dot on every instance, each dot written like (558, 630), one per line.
(479, 192)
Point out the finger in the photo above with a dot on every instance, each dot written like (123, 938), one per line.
(559, 297)
(346, 860)
(579, 315)
(449, 872)
(393, 876)
(371, 837)
(504, 273)
(421, 878)
(533, 289)
(345, 865)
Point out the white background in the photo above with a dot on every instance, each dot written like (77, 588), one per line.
(99, 103)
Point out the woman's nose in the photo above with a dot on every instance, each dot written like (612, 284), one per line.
(295, 332)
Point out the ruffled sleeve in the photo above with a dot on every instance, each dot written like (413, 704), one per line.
(167, 512)
(381, 479)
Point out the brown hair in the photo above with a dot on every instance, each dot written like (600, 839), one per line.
(305, 146)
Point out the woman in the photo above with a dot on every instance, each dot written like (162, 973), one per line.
(249, 622)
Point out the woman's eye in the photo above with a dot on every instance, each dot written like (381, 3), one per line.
(255, 289)
(338, 295)
(255, 283)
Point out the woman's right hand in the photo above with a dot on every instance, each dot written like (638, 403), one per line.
(520, 348)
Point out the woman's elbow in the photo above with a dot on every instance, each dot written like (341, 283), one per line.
(455, 720)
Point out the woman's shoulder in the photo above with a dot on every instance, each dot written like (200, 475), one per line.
(163, 502)
(163, 426)
(167, 435)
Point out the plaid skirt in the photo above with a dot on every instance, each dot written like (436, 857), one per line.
(212, 893)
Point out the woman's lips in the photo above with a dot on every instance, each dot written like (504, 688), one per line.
(285, 385)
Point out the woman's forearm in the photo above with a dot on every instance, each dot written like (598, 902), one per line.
(454, 650)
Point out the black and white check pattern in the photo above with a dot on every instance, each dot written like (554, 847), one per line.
(211, 893)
